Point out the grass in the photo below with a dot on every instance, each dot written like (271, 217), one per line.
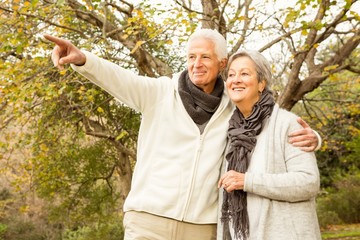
(349, 232)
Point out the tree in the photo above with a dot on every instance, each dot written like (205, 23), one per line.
(81, 142)
(334, 109)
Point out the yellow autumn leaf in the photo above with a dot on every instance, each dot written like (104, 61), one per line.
(331, 67)
(100, 110)
(137, 45)
(44, 148)
(24, 209)
(90, 98)
(81, 90)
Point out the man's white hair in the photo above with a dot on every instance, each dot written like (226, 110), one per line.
(214, 36)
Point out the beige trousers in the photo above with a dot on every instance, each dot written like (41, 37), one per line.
(141, 226)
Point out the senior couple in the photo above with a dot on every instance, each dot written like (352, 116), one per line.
(201, 133)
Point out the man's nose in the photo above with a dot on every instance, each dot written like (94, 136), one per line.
(197, 62)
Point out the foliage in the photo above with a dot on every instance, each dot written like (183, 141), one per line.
(108, 231)
(333, 109)
(20, 218)
(4, 194)
(3, 229)
(83, 179)
(342, 203)
(5, 201)
(348, 231)
(327, 218)
(20, 229)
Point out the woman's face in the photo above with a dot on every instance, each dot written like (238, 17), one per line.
(242, 84)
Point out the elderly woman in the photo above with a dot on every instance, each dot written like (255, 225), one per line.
(269, 187)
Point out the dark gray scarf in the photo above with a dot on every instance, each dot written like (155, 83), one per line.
(199, 105)
(242, 134)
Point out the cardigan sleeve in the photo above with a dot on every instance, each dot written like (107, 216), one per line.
(135, 91)
(319, 140)
(292, 174)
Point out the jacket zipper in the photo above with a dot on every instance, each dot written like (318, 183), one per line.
(195, 166)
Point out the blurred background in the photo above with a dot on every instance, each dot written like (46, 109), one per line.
(67, 148)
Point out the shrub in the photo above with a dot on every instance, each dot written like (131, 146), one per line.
(22, 230)
(327, 218)
(3, 229)
(4, 194)
(109, 231)
(342, 203)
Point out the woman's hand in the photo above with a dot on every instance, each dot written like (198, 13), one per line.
(231, 181)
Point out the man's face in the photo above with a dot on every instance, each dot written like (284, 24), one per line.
(203, 64)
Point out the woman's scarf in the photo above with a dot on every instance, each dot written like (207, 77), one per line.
(199, 105)
(242, 134)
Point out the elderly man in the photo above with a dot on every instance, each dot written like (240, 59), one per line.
(182, 137)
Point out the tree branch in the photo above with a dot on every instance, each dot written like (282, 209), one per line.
(44, 20)
(145, 61)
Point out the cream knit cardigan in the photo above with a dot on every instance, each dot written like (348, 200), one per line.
(288, 187)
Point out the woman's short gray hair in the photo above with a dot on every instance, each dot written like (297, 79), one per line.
(263, 69)
(214, 36)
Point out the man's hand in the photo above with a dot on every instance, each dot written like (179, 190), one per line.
(65, 52)
(304, 138)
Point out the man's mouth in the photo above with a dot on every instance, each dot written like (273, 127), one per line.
(198, 73)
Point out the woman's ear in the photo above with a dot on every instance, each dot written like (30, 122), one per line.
(262, 86)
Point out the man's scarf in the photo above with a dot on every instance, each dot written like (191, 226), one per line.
(242, 134)
(199, 105)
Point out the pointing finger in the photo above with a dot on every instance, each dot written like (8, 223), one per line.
(56, 40)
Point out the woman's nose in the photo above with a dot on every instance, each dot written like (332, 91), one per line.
(236, 79)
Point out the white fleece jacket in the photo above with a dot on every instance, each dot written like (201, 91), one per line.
(282, 182)
(177, 168)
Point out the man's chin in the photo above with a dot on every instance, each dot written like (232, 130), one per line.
(198, 80)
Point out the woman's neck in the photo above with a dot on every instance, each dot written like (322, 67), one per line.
(246, 107)
(245, 111)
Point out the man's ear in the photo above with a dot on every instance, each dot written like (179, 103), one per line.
(223, 63)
